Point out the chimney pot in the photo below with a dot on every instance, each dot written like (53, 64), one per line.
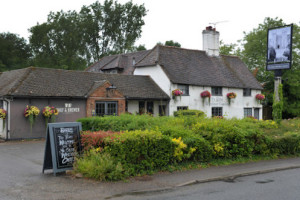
(209, 28)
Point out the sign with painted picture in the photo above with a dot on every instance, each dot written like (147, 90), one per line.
(279, 55)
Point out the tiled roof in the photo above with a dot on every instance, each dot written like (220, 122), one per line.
(43, 82)
(194, 67)
(121, 61)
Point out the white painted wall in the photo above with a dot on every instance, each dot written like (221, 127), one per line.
(133, 106)
(194, 100)
(235, 109)
(157, 74)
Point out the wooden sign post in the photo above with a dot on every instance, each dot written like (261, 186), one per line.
(62, 143)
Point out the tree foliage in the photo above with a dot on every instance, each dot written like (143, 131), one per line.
(14, 52)
(71, 40)
(172, 43)
(227, 49)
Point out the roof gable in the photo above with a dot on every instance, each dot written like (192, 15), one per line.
(194, 67)
(120, 61)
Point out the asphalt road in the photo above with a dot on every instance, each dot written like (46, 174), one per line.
(21, 176)
(281, 185)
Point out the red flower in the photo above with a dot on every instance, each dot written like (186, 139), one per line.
(205, 94)
(260, 97)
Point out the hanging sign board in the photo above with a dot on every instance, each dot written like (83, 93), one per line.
(62, 143)
(279, 52)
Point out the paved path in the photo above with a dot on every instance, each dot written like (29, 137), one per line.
(21, 176)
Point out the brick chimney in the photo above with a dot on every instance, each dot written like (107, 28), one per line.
(210, 40)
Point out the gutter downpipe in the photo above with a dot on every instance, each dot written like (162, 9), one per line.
(6, 120)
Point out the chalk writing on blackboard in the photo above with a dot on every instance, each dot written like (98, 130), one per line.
(65, 144)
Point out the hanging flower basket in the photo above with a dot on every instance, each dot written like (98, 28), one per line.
(205, 94)
(231, 95)
(3, 115)
(176, 93)
(50, 113)
(31, 112)
(259, 98)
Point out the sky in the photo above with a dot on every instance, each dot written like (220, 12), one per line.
(180, 20)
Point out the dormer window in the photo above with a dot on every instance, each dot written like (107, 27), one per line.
(133, 61)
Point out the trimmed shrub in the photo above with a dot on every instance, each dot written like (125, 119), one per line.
(203, 148)
(95, 139)
(288, 144)
(99, 166)
(123, 122)
(233, 138)
(203, 152)
(197, 113)
(141, 151)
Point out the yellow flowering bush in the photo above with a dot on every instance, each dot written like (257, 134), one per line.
(219, 149)
(181, 151)
(269, 124)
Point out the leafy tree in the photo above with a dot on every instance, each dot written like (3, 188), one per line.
(141, 47)
(14, 52)
(172, 43)
(58, 42)
(71, 40)
(227, 49)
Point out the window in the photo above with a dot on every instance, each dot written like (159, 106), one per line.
(217, 111)
(1, 104)
(162, 110)
(182, 108)
(150, 107)
(216, 91)
(106, 108)
(184, 89)
(247, 92)
(247, 112)
(111, 71)
(141, 107)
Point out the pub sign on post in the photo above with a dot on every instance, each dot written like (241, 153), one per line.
(62, 143)
(279, 54)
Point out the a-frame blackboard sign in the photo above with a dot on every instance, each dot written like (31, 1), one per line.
(62, 142)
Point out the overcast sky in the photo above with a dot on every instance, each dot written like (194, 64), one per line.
(178, 20)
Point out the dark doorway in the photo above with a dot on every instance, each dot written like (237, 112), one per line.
(256, 113)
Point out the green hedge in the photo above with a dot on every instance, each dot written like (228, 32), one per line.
(141, 151)
(146, 144)
(121, 123)
(197, 113)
